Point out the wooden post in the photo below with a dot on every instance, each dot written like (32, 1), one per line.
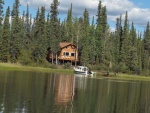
(71, 62)
(75, 58)
(56, 59)
(52, 58)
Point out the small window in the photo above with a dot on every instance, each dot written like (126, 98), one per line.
(67, 54)
(72, 54)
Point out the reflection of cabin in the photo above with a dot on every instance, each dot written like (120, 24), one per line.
(64, 89)
(68, 52)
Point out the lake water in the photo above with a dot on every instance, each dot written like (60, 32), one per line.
(31, 92)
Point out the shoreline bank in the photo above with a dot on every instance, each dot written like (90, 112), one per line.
(19, 67)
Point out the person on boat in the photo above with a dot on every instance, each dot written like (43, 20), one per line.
(89, 71)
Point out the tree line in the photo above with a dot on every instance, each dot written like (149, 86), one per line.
(25, 41)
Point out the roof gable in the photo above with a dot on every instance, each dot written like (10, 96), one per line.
(64, 44)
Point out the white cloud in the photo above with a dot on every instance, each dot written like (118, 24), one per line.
(140, 16)
(78, 5)
(114, 8)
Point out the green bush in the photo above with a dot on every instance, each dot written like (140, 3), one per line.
(24, 58)
(95, 67)
(67, 65)
(121, 67)
(52, 66)
(145, 73)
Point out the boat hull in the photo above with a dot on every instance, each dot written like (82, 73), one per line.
(80, 72)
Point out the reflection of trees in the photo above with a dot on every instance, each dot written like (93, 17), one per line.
(23, 92)
(3, 81)
(34, 92)
(48, 93)
(81, 82)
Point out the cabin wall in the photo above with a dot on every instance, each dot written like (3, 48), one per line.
(68, 53)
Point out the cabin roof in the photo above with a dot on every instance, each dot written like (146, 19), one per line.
(64, 44)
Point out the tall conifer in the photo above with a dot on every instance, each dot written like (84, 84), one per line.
(85, 39)
(139, 53)
(69, 25)
(124, 42)
(132, 58)
(146, 49)
(1, 18)
(15, 33)
(98, 34)
(4, 51)
(55, 32)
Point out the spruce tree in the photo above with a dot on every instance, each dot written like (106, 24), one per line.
(15, 33)
(124, 42)
(39, 37)
(104, 20)
(147, 38)
(146, 49)
(22, 30)
(4, 51)
(55, 32)
(85, 39)
(69, 26)
(35, 34)
(1, 19)
(48, 31)
(92, 40)
(42, 36)
(98, 35)
(132, 58)
(27, 26)
(139, 53)
(116, 41)
(63, 32)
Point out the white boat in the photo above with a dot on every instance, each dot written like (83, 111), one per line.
(83, 70)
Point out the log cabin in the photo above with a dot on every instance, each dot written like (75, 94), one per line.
(68, 53)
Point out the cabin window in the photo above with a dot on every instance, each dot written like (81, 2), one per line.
(66, 53)
(72, 54)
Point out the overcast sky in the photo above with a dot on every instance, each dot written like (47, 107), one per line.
(138, 10)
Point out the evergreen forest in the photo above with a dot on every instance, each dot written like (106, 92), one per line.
(25, 39)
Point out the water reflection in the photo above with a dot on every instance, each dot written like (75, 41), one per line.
(31, 92)
(81, 82)
(64, 89)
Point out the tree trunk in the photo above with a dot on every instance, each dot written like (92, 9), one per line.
(56, 59)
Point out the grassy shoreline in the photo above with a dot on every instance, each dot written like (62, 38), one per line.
(121, 76)
(19, 67)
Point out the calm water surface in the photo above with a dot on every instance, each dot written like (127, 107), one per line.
(31, 92)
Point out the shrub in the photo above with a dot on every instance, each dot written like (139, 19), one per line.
(24, 58)
(121, 67)
(67, 65)
(146, 73)
(95, 67)
(52, 66)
